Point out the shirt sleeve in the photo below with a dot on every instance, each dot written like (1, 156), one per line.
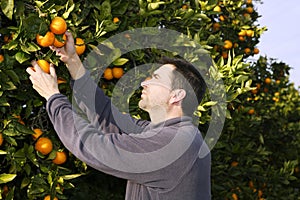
(141, 159)
(98, 109)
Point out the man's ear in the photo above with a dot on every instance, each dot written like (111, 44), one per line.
(177, 95)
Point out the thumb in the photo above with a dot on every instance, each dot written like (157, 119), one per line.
(52, 71)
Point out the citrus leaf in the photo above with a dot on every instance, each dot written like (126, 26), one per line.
(120, 61)
(7, 7)
(22, 57)
(2, 152)
(4, 178)
(71, 176)
(14, 77)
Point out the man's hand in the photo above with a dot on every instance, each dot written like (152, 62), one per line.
(45, 84)
(68, 55)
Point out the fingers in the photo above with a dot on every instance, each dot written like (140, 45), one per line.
(52, 71)
(69, 36)
(36, 67)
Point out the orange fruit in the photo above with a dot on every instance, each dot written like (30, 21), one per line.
(48, 197)
(268, 80)
(37, 133)
(47, 40)
(184, 7)
(242, 33)
(116, 20)
(258, 86)
(44, 65)
(249, 10)
(117, 72)
(5, 190)
(251, 111)
(20, 119)
(250, 33)
(259, 193)
(108, 75)
(234, 164)
(256, 51)
(277, 81)
(247, 50)
(61, 80)
(216, 26)
(1, 139)
(44, 145)
(254, 91)
(1, 58)
(225, 54)
(247, 15)
(248, 1)
(251, 185)
(241, 38)
(227, 44)
(58, 25)
(80, 46)
(60, 158)
(222, 18)
(58, 43)
(234, 196)
(6, 39)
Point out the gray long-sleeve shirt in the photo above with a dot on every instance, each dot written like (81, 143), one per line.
(160, 161)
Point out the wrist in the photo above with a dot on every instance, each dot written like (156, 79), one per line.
(75, 67)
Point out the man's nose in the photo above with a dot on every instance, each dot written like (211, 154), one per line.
(146, 82)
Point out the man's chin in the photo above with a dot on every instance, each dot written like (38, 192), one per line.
(142, 105)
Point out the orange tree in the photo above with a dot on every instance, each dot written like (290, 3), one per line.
(259, 148)
(226, 29)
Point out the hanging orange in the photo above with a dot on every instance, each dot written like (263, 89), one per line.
(58, 25)
(58, 43)
(44, 145)
(44, 65)
(45, 41)
(37, 133)
(48, 197)
(80, 46)
(117, 72)
(108, 74)
(60, 157)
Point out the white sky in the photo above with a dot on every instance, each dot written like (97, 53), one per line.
(282, 39)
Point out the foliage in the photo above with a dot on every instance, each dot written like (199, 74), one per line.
(251, 148)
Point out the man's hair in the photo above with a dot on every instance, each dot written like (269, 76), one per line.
(188, 78)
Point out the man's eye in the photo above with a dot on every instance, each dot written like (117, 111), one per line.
(155, 76)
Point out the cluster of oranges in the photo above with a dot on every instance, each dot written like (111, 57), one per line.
(115, 72)
(44, 146)
(56, 36)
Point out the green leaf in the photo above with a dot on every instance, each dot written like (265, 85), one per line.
(4, 178)
(14, 77)
(66, 14)
(12, 141)
(7, 7)
(120, 61)
(71, 176)
(210, 103)
(2, 152)
(22, 57)
(25, 182)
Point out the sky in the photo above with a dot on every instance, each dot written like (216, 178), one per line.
(282, 39)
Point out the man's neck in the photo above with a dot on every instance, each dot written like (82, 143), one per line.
(161, 116)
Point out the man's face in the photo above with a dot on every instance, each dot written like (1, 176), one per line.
(156, 91)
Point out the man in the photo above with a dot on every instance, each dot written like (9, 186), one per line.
(160, 159)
